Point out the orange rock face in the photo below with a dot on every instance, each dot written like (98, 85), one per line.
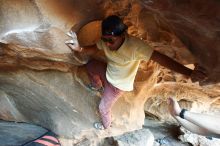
(37, 69)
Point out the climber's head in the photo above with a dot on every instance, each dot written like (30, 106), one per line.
(113, 30)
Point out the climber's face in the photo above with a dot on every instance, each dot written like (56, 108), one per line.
(113, 42)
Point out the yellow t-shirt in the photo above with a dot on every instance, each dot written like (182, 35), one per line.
(122, 65)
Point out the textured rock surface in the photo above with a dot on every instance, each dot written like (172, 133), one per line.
(137, 138)
(195, 139)
(37, 70)
(48, 99)
(165, 133)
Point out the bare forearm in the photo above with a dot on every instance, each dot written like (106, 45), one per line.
(170, 63)
(192, 127)
(209, 122)
(90, 50)
(198, 123)
(85, 51)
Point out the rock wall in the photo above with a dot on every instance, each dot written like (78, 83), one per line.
(37, 70)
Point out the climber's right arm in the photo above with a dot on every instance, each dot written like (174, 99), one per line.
(88, 50)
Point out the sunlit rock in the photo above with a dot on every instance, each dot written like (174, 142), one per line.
(37, 70)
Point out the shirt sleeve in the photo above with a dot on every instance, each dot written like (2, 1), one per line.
(143, 52)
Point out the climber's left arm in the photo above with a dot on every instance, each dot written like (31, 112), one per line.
(170, 63)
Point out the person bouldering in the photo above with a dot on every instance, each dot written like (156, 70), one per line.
(124, 54)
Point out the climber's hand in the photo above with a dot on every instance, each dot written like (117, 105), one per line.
(73, 44)
(199, 74)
